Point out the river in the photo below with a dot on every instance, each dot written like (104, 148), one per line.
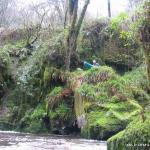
(21, 141)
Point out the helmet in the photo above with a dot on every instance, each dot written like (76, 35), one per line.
(94, 61)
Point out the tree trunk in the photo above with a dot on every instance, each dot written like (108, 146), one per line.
(146, 50)
(82, 17)
(65, 18)
(74, 29)
(109, 9)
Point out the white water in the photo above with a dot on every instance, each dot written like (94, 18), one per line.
(20, 141)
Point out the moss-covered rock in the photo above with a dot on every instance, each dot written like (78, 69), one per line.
(135, 136)
(108, 119)
(107, 101)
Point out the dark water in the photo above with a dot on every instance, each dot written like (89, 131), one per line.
(20, 141)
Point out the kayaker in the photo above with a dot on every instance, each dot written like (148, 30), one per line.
(95, 64)
(89, 66)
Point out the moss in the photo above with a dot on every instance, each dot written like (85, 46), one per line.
(141, 97)
(55, 92)
(4, 69)
(62, 111)
(109, 101)
(54, 77)
(53, 98)
(109, 118)
(4, 58)
(135, 136)
(36, 127)
(38, 113)
(47, 75)
(109, 105)
(101, 125)
(33, 120)
(58, 108)
(100, 74)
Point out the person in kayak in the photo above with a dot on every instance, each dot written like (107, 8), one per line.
(95, 63)
(89, 66)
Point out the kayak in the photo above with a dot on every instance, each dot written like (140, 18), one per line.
(88, 65)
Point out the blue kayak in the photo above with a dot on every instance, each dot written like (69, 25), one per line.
(88, 65)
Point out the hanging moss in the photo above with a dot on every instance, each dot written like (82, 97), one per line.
(53, 77)
(53, 98)
(47, 75)
(63, 112)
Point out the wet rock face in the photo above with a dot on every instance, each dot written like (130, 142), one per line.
(67, 129)
(70, 130)
(1, 92)
(46, 121)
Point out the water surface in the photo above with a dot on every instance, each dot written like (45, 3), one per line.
(21, 141)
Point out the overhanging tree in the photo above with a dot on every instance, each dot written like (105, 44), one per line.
(74, 28)
(144, 31)
(109, 9)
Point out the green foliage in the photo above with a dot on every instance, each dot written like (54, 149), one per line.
(35, 127)
(136, 78)
(51, 73)
(109, 105)
(143, 14)
(63, 112)
(92, 40)
(55, 92)
(124, 50)
(4, 59)
(109, 101)
(12, 46)
(137, 133)
(109, 118)
(100, 74)
(116, 22)
(111, 42)
(103, 127)
(4, 71)
(47, 75)
(53, 98)
(32, 120)
(38, 113)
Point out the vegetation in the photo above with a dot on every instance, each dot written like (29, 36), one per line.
(109, 104)
(135, 135)
(45, 86)
(145, 34)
